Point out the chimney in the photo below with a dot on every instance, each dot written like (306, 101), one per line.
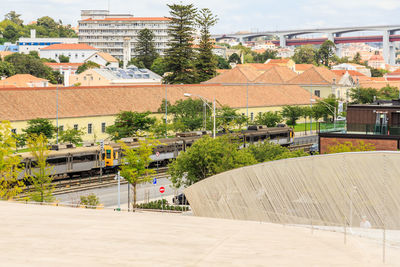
(127, 51)
(33, 33)
(66, 77)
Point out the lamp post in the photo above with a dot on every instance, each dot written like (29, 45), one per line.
(205, 100)
(57, 112)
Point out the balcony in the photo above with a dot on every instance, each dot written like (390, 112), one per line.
(359, 128)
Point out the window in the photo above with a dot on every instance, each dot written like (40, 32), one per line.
(89, 128)
(14, 131)
(252, 116)
(61, 128)
(75, 126)
(103, 127)
(317, 93)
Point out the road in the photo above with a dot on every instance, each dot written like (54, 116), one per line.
(109, 195)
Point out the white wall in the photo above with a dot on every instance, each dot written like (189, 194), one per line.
(75, 56)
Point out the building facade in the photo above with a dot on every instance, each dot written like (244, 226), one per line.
(107, 31)
(77, 53)
(28, 44)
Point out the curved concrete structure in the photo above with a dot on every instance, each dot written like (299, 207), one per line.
(324, 190)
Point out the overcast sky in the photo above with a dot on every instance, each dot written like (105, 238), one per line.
(234, 15)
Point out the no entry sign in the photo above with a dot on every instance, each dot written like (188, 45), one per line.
(162, 189)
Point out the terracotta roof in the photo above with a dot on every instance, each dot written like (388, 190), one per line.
(315, 75)
(50, 64)
(107, 57)
(278, 61)
(259, 51)
(277, 74)
(220, 71)
(109, 100)
(303, 67)
(69, 47)
(130, 19)
(239, 74)
(3, 54)
(261, 66)
(379, 84)
(351, 72)
(21, 80)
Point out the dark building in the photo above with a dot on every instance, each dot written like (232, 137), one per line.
(377, 123)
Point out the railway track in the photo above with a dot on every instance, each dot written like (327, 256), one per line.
(81, 184)
(305, 147)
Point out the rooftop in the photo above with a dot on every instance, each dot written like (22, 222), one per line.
(21, 80)
(68, 47)
(277, 74)
(239, 74)
(130, 19)
(109, 100)
(315, 75)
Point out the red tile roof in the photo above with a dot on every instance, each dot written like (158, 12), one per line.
(303, 67)
(109, 100)
(21, 80)
(63, 64)
(278, 61)
(131, 19)
(261, 66)
(239, 74)
(277, 74)
(351, 72)
(69, 47)
(315, 75)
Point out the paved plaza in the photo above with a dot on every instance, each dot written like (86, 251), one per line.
(33, 235)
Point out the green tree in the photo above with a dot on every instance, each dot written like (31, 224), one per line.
(128, 123)
(326, 53)
(40, 126)
(268, 54)
(134, 167)
(187, 113)
(388, 92)
(268, 151)
(145, 48)
(48, 23)
(11, 34)
(159, 66)
(357, 58)
(363, 95)
(91, 200)
(72, 136)
(206, 65)
(270, 118)
(325, 108)
(27, 64)
(234, 58)
(6, 69)
(10, 186)
(86, 66)
(291, 114)
(179, 56)
(41, 178)
(14, 17)
(377, 72)
(63, 59)
(228, 119)
(305, 54)
(350, 147)
(207, 157)
(222, 63)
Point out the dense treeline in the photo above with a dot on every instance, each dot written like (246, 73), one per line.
(13, 27)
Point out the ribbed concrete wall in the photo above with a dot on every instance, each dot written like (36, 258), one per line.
(324, 190)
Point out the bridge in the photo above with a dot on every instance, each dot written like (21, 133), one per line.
(289, 37)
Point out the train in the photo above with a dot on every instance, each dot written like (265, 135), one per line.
(87, 161)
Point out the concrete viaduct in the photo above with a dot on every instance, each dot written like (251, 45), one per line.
(332, 33)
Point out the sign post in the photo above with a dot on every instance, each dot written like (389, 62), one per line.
(157, 155)
(118, 178)
(162, 190)
(101, 158)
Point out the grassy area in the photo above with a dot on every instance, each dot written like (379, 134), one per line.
(300, 127)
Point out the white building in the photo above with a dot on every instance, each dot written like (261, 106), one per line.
(104, 59)
(28, 44)
(77, 53)
(105, 31)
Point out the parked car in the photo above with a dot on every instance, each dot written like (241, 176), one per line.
(180, 200)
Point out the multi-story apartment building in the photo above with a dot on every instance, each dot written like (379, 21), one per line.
(105, 31)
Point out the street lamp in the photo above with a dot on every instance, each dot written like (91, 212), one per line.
(205, 100)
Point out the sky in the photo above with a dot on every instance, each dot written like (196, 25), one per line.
(234, 15)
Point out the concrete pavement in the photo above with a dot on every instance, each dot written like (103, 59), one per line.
(34, 235)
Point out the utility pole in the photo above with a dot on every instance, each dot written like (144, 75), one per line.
(57, 112)
(166, 111)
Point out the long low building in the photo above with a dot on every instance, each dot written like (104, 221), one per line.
(95, 108)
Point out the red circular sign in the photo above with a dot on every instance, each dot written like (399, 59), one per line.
(162, 189)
